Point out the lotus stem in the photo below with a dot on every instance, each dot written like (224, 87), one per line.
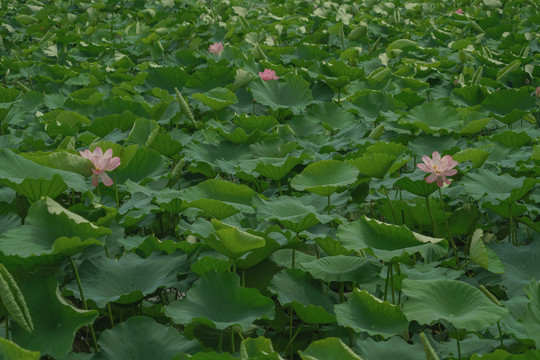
(500, 333)
(109, 311)
(513, 238)
(116, 190)
(386, 282)
(85, 306)
(98, 193)
(328, 205)
(390, 203)
(290, 328)
(450, 236)
(279, 187)
(220, 341)
(435, 230)
(458, 347)
(232, 339)
(392, 283)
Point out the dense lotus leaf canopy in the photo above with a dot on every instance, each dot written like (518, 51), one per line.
(263, 217)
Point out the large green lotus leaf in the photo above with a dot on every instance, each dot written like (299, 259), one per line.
(418, 187)
(166, 78)
(483, 183)
(475, 155)
(231, 241)
(142, 128)
(238, 196)
(211, 355)
(115, 105)
(520, 263)
(252, 123)
(393, 348)
(259, 348)
(277, 168)
(470, 344)
(207, 155)
(257, 255)
(531, 317)
(370, 103)
(468, 95)
(512, 139)
(102, 126)
(145, 163)
(506, 101)
(290, 212)
(239, 136)
(214, 75)
(11, 351)
(325, 177)
(215, 208)
(365, 312)
(62, 160)
(306, 296)
(53, 318)
(218, 98)
(218, 300)
(474, 126)
(129, 278)
(85, 96)
(164, 144)
(500, 354)
(430, 270)
(434, 117)
(50, 233)
(389, 148)
(457, 302)
(373, 165)
(63, 123)
(277, 147)
(330, 348)
(331, 115)
(484, 256)
(335, 73)
(8, 96)
(34, 180)
(290, 91)
(141, 338)
(344, 268)
(389, 242)
(149, 244)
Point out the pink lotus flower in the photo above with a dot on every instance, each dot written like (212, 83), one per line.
(268, 74)
(439, 168)
(537, 92)
(102, 162)
(459, 11)
(215, 48)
